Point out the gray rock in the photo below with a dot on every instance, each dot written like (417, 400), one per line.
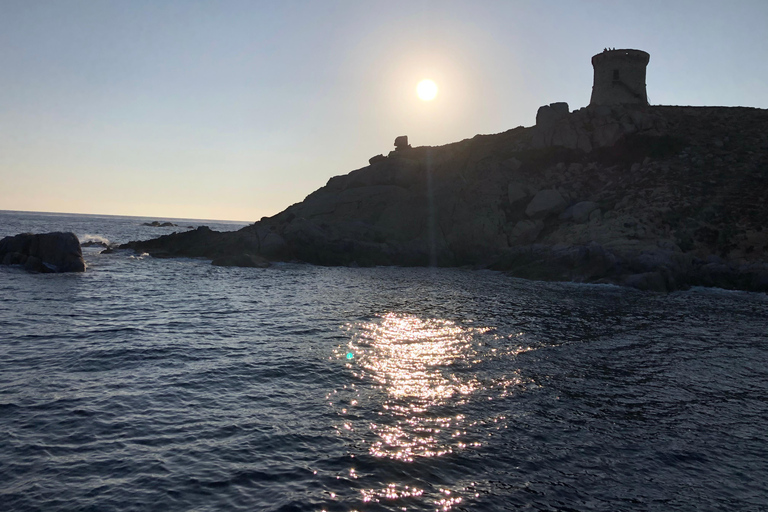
(565, 135)
(647, 281)
(582, 210)
(548, 115)
(526, 231)
(516, 192)
(545, 203)
(401, 143)
(273, 246)
(567, 214)
(47, 252)
(34, 264)
(511, 164)
(560, 108)
(376, 159)
(607, 134)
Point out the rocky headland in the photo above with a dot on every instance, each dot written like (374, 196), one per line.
(658, 198)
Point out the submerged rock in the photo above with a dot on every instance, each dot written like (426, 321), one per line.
(47, 252)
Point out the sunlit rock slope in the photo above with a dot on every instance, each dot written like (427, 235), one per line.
(658, 198)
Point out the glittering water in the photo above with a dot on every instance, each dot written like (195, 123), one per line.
(150, 384)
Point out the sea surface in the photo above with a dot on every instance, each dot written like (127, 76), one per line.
(171, 384)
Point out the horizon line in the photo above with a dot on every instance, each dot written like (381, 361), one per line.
(155, 217)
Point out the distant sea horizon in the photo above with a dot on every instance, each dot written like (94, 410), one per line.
(147, 217)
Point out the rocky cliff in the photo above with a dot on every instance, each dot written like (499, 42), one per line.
(653, 197)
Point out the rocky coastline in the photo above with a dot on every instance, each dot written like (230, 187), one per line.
(654, 197)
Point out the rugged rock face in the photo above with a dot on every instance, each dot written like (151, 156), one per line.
(48, 252)
(653, 197)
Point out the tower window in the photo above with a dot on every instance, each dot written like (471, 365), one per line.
(615, 74)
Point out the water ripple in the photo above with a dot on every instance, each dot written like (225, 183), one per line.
(173, 385)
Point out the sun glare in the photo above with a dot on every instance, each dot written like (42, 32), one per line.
(427, 90)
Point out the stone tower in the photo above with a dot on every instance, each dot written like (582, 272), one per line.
(619, 77)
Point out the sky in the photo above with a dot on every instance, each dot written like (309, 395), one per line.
(235, 110)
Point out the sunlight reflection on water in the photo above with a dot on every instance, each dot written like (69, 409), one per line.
(417, 379)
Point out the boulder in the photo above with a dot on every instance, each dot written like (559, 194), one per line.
(516, 192)
(401, 143)
(376, 159)
(34, 264)
(526, 231)
(582, 210)
(47, 252)
(647, 281)
(550, 114)
(545, 203)
(567, 214)
(511, 164)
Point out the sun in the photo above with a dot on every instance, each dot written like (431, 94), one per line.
(427, 90)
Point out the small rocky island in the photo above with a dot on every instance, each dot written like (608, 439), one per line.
(45, 253)
(655, 197)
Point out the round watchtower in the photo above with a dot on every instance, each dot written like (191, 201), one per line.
(619, 77)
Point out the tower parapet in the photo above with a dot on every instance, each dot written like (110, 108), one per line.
(619, 77)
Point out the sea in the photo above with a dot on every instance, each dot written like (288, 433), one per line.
(171, 384)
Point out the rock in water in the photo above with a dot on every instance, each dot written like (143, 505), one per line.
(47, 252)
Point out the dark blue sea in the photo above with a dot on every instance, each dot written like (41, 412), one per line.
(171, 384)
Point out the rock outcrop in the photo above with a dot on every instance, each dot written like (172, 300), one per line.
(158, 224)
(401, 143)
(657, 198)
(48, 252)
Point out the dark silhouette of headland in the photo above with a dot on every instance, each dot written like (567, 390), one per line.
(654, 197)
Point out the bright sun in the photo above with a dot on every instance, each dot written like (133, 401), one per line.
(427, 90)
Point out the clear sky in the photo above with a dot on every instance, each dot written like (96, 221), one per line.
(237, 109)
